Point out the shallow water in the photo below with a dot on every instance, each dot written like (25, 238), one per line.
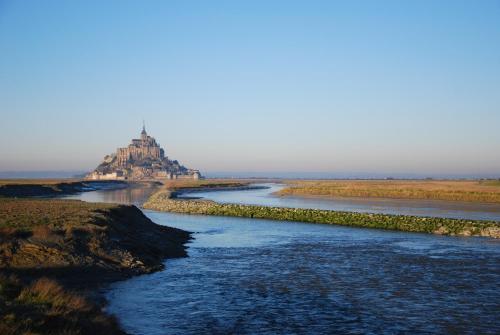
(451, 209)
(135, 195)
(248, 276)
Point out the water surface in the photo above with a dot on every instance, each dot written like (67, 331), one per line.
(249, 276)
(136, 195)
(436, 208)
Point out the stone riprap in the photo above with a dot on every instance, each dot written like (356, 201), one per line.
(162, 201)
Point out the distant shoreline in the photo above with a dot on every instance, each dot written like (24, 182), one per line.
(41, 188)
(478, 191)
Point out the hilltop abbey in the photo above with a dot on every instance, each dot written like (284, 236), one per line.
(143, 159)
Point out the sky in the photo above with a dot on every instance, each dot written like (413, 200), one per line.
(374, 87)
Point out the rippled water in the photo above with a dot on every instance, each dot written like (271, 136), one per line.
(248, 276)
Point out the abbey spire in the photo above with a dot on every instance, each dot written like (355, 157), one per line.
(144, 135)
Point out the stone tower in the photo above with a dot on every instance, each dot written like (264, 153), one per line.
(144, 135)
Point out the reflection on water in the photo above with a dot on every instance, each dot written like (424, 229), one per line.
(248, 276)
(135, 195)
(387, 206)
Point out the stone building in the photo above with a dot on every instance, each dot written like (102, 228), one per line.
(140, 149)
(142, 159)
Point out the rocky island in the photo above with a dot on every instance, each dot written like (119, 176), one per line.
(143, 159)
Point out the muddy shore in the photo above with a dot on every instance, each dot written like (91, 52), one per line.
(54, 252)
(40, 189)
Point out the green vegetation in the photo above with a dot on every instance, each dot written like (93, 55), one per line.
(161, 201)
(455, 190)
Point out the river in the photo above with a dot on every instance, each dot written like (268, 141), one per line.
(249, 276)
(435, 208)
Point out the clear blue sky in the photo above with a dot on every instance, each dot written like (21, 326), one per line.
(373, 86)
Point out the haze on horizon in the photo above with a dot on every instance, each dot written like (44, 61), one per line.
(303, 86)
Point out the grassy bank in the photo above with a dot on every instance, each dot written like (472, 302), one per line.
(41, 181)
(161, 201)
(487, 191)
(55, 253)
(46, 307)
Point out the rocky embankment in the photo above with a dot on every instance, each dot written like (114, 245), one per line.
(162, 201)
(39, 189)
(50, 249)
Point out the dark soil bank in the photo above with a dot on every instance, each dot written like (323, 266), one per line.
(55, 253)
(50, 190)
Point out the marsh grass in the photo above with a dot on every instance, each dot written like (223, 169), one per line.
(82, 245)
(491, 182)
(48, 292)
(27, 214)
(45, 307)
(45, 182)
(470, 191)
